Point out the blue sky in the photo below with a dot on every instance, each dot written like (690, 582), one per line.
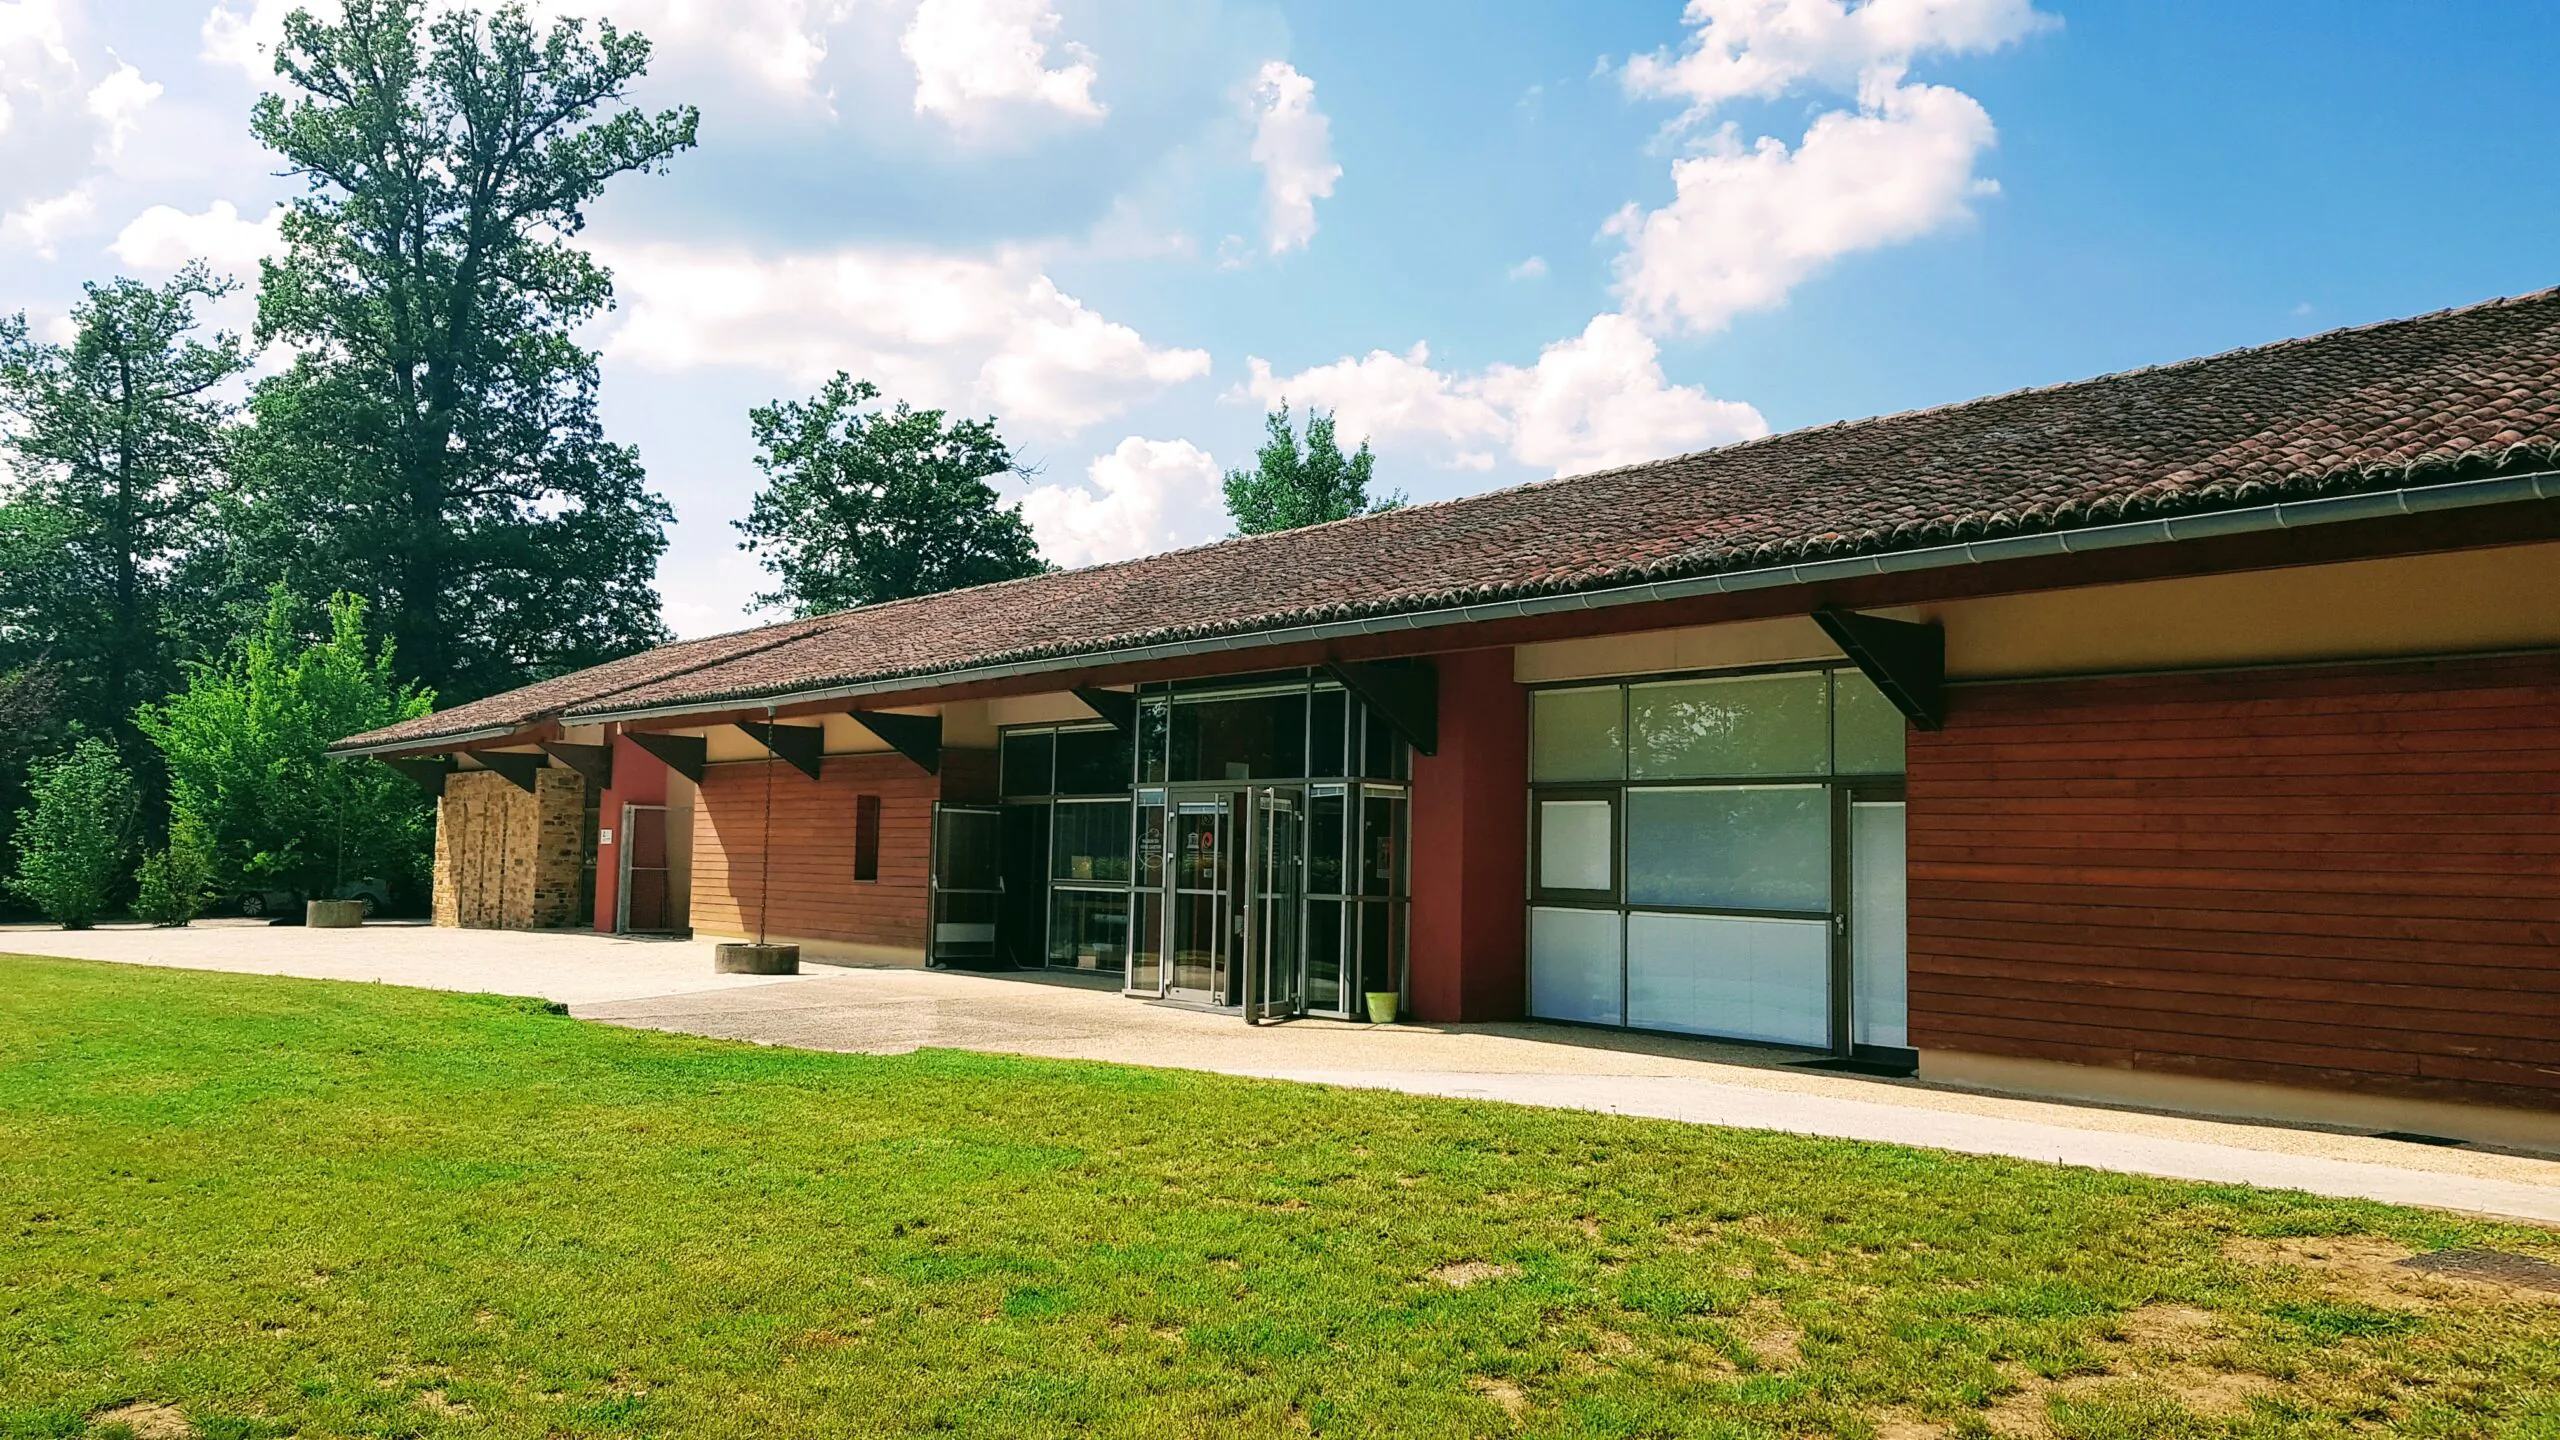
(1505, 240)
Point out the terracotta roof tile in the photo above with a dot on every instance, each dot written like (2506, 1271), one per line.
(2442, 396)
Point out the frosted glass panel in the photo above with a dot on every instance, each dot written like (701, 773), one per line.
(1866, 730)
(1764, 847)
(1724, 975)
(1574, 970)
(1879, 927)
(1574, 734)
(1574, 844)
(1720, 729)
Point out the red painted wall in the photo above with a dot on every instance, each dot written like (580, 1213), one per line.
(2337, 877)
(1471, 846)
(639, 778)
(815, 896)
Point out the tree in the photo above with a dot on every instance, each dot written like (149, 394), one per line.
(75, 834)
(861, 506)
(175, 882)
(32, 727)
(435, 443)
(1293, 485)
(116, 443)
(245, 744)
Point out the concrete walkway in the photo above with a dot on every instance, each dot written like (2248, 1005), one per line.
(668, 985)
(572, 969)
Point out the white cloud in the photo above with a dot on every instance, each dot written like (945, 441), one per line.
(1760, 48)
(1533, 268)
(165, 238)
(1591, 401)
(39, 225)
(970, 332)
(1142, 498)
(1746, 226)
(977, 61)
(779, 44)
(1293, 143)
(60, 131)
(118, 102)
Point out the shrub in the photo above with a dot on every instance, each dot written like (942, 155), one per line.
(246, 742)
(74, 834)
(175, 883)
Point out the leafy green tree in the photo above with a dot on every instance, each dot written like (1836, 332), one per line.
(435, 443)
(245, 746)
(1294, 484)
(861, 506)
(32, 726)
(116, 443)
(76, 834)
(175, 882)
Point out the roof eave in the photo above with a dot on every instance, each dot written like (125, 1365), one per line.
(2283, 515)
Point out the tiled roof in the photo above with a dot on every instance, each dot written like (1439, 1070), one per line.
(545, 699)
(2445, 396)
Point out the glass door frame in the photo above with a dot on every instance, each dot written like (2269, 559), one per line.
(1275, 984)
(624, 868)
(1846, 795)
(1231, 869)
(934, 956)
(1243, 967)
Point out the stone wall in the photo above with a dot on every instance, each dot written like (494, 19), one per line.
(506, 860)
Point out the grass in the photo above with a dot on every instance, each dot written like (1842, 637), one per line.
(304, 1208)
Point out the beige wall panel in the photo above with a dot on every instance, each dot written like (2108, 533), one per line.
(1697, 647)
(1053, 708)
(728, 742)
(2462, 602)
(846, 736)
(966, 726)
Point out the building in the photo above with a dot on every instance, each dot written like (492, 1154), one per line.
(2183, 737)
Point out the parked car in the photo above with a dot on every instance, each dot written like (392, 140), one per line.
(375, 895)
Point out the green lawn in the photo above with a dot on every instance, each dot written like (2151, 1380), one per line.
(301, 1208)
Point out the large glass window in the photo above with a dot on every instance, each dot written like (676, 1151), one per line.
(1077, 783)
(1751, 978)
(1685, 855)
(1575, 734)
(1089, 930)
(1094, 762)
(1720, 729)
(1254, 737)
(1740, 847)
(1092, 841)
(1866, 730)
(1575, 969)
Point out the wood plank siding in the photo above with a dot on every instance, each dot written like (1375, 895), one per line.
(815, 896)
(2344, 877)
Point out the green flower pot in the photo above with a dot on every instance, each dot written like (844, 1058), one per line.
(1382, 1007)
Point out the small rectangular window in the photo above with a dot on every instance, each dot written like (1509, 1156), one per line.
(866, 837)
(1577, 845)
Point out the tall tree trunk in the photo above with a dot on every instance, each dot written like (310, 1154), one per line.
(125, 633)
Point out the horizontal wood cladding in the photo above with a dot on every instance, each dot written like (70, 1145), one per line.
(2345, 877)
(815, 896)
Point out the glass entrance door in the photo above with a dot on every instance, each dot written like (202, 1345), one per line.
(1235, 888)
(1278, 989)
(1206, 900)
